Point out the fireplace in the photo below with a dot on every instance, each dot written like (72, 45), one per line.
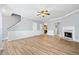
(68, 34)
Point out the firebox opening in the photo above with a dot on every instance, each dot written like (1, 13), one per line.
(68, 34)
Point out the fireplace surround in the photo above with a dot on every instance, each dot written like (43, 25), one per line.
(69, 32)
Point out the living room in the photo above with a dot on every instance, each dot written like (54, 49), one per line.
(23, 26)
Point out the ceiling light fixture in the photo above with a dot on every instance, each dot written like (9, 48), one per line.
(43, 13)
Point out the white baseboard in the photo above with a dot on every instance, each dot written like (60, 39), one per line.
(76, 40)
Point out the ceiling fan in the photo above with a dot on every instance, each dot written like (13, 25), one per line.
(43, 13)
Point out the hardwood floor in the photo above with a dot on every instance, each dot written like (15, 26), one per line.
(41, 45)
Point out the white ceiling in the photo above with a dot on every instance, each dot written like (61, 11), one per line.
(29, 11)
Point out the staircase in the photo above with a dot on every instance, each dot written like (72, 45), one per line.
(15, 22)
(9, 22)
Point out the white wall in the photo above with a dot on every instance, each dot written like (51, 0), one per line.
(8, 21)
(12, 35)
(51, 28)
(23, 25)
(25, 28)
(1, 31)
(1, 26)
(72, 20)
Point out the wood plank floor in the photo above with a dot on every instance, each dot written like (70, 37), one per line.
(41, 45)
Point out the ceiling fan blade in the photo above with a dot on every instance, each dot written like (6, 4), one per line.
(48, 14)
(38, 14)
(46, 10)
(42, 11)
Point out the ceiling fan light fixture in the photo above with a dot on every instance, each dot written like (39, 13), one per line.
(43, 13)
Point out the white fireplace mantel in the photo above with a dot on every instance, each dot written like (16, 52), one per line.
(69, 29)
